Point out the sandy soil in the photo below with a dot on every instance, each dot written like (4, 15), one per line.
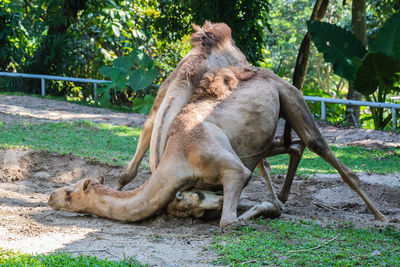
(28, 177)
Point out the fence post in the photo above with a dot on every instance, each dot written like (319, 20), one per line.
(95, 92)
(394, 118)
(323, 111)
(43, 92)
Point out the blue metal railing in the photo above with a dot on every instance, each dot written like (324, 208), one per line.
(323, 100)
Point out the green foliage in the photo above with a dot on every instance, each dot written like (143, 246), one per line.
(306, 243)
(374, 75)
(378, 11)
(10, 258)
(137, 71)
(377, 70)
(339, 46)
(143, 105)
(334, 113)
(247, 19)
(387, 38)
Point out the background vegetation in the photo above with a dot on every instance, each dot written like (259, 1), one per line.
(77, 38)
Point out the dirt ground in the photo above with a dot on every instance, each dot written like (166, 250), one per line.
(28, 177)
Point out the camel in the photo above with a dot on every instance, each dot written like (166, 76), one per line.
(214, 143)
(213, 47)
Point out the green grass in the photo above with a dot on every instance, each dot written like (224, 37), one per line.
(306, 243)
(10, 258)
(356, 158)
(102, 142)
(265, 243)
(117, 144)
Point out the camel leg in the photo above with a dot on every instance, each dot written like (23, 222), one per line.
(299, 116)
(129, 172)
(266, 209)
(295, 151)
(233, 181)
(265, 171)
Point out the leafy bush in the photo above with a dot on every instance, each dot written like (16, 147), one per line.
(130, 77)
(376, 72)
(334, 113)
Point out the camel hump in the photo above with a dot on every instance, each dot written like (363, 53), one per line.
(211, 35)
(219, 83)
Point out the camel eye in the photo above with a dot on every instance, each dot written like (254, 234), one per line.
(68, 195)
(201, 195)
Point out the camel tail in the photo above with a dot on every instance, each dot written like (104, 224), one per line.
(287, 135)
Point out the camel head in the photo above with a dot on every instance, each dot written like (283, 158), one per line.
(75, 197)
(215, 39)
(194, 203)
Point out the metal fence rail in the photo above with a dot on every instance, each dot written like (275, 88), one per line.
(57, 78)
(323, 100)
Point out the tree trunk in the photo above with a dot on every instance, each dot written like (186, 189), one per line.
(300, 70)
(305, 48)
(328, 78)
(359, 29)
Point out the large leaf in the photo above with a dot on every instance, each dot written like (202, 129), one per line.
(104, 91)
(118, 76)
(124, 63)
(142, 59)
(106, 70)
(142, 105)
(377, 68)
(339, 46)
(140, 79)
(388, 38)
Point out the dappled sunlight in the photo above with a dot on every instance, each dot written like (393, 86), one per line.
(53, 110)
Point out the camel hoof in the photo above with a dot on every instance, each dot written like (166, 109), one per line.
(280, 205)
(380, 217)
(282, 198)
(227, 222)
(118, 187)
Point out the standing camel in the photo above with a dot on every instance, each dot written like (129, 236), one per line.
(213, 47)
(214, 143)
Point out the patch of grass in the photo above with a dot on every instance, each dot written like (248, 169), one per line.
(10, 258)
(358, 159)
(117, 144)
(306, 243)
(102, 142)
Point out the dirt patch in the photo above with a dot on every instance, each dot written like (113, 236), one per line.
(28, 177)
(40, 110)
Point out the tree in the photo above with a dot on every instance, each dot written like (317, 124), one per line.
(359, 29)
(300, 70)
(247, 19)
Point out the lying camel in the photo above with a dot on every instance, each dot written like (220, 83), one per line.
(213, 47)
(214, 143)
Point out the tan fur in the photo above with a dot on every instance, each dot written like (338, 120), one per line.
(205, 145)
(212, 47)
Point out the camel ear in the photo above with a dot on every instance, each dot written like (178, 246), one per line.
(196, 28)
(86, 185)
(100, 179)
